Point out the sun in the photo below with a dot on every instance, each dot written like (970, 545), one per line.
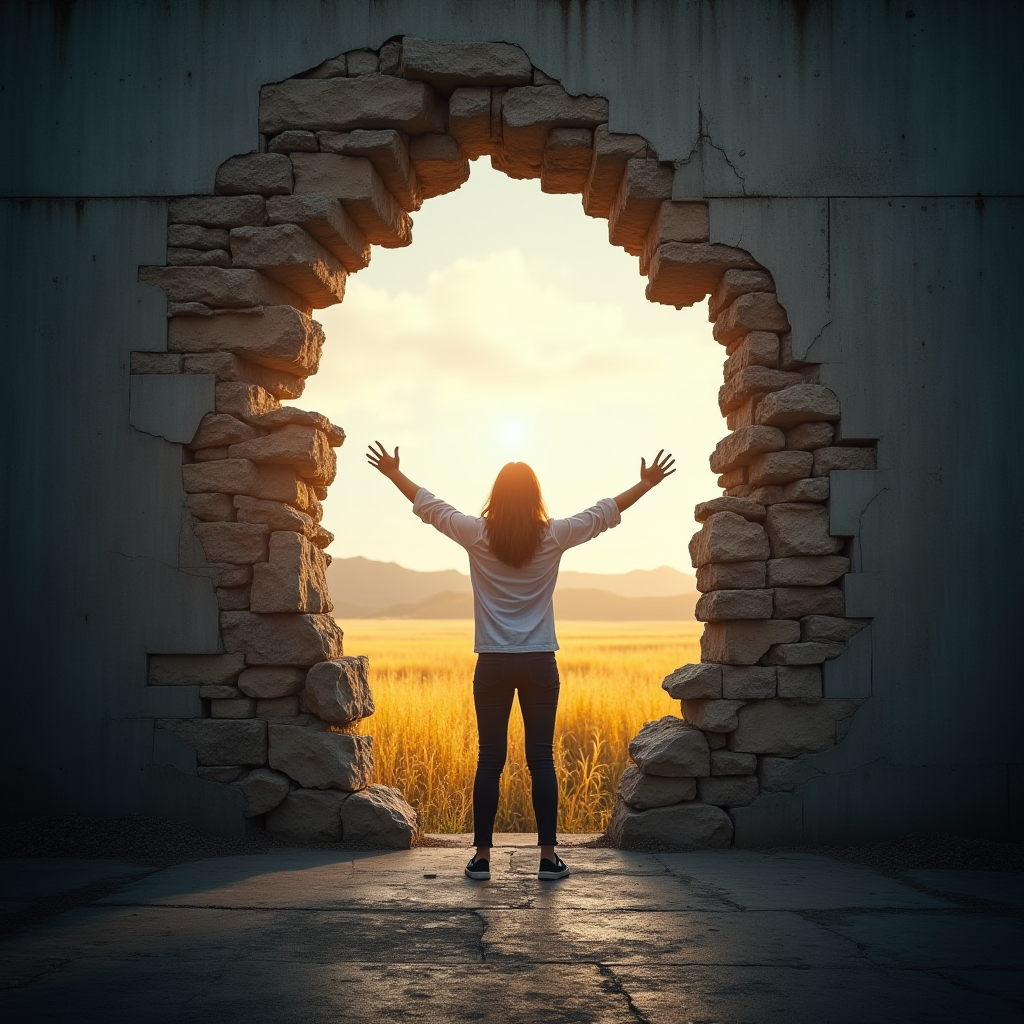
(513, 432)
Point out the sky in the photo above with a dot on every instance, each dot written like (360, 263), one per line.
(512, 330)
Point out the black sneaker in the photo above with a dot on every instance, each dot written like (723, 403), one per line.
(550, 870)
(479, 869)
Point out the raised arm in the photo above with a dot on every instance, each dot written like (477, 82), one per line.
(650, 476)
(388, 465)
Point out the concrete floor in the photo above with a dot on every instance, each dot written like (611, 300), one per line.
(311, 935)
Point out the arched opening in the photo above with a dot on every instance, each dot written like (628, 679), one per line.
(350, 148)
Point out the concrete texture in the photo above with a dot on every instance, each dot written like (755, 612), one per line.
(660, 938)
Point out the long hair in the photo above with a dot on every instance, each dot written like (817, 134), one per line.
(515, 515)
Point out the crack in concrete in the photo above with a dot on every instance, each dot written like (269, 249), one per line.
(612, 984)
(484, 925)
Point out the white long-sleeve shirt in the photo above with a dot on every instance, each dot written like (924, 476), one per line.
(512, 608)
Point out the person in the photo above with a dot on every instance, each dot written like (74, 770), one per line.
(514, 553)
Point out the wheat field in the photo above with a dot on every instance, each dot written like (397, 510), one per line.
(424, 730)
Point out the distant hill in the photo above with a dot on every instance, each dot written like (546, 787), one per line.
(363, 588)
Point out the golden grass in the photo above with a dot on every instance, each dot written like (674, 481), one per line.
(424, 731)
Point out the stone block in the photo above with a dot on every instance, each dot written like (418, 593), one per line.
(263, 790)
(304, 448)
(731, 576)
(797, 602)
(287, 254)
(758, 348)
(694, 681)
(730, 762)
(389, 154)
(235, 543)
(293, 142)
(645, 185)
(272, 682)
(751, 510)
(439, 163)
(716, 740)
(673, 222)
(718, 605)
(608, 164)
(221, 741)
(805, 437)
(811, 489)
(642, 791)
(728, 790)
(217, 430)
(681, 274)
(379, 817)
(198, 258)
(354, 182)
(754, 381)
(332, 142)
(727, 537)
(232, 598)
(530, 112)
(390, 59)
(828, 459)
(338, 104)
(227, 367)
(241, 476)
(278, 707)
(449, 65)
(273, 514)
(233, 707)
(339, 690)
(469, 120)
(670, 747)
(194, 669)
(797, 654)
(224, 289)
(325, 219)
(740, 447)
(735, 483)
(806, 570)
(210, 508)
(319, 759)
(361, 62)
(686, 826)
(567, 158)
(217, 211)
(752, 311)
(784, 774)
(308, 814)
(336, 67)
(281, 338)
(830, 628)
(745, 641)
(192, 236)
(293, 579)
(734, 283)
(281, 639)
(799, 682)
(210, 454)
(799, 403)
(789, 728)
(799, 528)
(155, 362)
(264, 174)
(748, 682)
(711, 715)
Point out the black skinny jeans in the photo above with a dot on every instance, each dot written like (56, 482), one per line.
(495, 681)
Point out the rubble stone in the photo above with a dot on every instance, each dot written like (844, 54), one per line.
(682, 273)
(448, 65)
(273, 514)
(379, 816)
(281, 639)
(800, 403)
(304, 448)
(194, 669)
(745, 641)
(210, 508)
(733, 284)
(325, 219)
(270, 682)
(711, 715)
(567, 159)
(642, 791)
(752, 510)
(215, 286)
(221, 741)
(192, 236)
(645, 185)
(232, 598)
(233, 707)
(786, 728)
(799, 682)
(241, 476)
(469, 120)
(797, 654)
(830, 628)
(758, 348)
(294, 579)
(828, 459)
(748, 682)
(731, 576)
(685, 825)
(361, 62)
(264, 174)
(277, 707)
(339, 690)
(727, 537)
(155, 362)
(752, 381)
(806, 570)
(811, 489)
(198, 258)
(805, 437)
(319, 759)
(217, 211)
(752, 311)
(730, 762)
(228, 367)
(694, 681)
(263, 790)
(440, 164)
(309, 814)
(673, 222)
(717, 605)
(608, 164)
(742, 445)
(797, 602)
(389, 154)
(236, 543)
(670, 747)
(800, 529)
(728, 790)
(293, 142)
(217, 429)
(287, 254)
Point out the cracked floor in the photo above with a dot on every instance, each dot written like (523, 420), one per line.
(667, 938)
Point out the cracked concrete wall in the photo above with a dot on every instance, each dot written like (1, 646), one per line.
(858, 135)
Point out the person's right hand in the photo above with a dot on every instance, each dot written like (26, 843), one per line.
(653, 474)
(380, 460)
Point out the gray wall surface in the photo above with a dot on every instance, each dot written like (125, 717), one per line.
(866, 153)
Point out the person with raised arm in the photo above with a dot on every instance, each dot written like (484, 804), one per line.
(514, 552)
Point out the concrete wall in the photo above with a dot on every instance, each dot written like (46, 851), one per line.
(847, 146)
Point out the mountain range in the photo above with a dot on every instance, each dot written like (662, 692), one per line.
(364, 588)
